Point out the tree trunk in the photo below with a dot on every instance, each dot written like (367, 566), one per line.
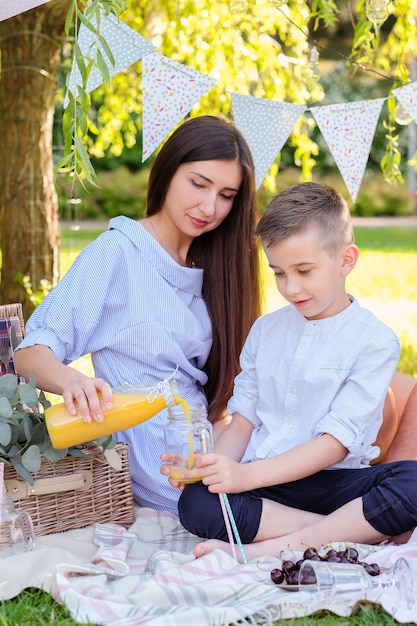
(30, 46)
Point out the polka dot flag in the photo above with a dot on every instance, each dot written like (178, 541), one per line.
(407, 96)
(169, 91)
(127, 47)
(266, 125)
(10, 8)
(349, 130)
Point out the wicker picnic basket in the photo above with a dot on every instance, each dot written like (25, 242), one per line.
(76, 492)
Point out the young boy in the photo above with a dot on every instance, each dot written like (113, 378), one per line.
(307, 405)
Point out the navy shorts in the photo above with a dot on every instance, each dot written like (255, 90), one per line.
(388, 491)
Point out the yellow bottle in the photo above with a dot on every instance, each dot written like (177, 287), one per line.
(129, 409)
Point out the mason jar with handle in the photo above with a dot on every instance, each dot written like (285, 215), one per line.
(17, 533)
(187, 433)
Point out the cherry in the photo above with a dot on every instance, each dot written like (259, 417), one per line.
(372, 569)
(288, 566)
(333, 558)
(277, 576)
(309, 553)
(292, 578)
(351, 554)
(330, 552)
(289, 571)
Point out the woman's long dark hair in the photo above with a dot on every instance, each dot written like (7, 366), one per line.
(229, 254)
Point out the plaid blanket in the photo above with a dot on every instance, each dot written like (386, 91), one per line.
(147, 575)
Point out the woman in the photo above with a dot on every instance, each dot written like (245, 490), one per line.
(173, 294)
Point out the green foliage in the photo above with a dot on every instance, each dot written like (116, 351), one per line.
(118, 192)
(252, 48)
(37, 294)
(75, 120)
(123, 192)
(24, 438)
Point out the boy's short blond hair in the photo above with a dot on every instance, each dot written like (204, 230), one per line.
(304, 206)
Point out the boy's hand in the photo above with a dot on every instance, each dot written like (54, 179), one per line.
(220, 473)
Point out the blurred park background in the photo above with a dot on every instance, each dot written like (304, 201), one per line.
(309, 53)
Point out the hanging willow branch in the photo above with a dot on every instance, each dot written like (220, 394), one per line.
(75, 123)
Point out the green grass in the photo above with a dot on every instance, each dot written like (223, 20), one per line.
(34, 607)
(385, 281)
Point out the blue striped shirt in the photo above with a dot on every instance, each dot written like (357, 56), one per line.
(139, 314)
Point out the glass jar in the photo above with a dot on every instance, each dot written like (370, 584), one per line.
(187, 435)
(16, 528)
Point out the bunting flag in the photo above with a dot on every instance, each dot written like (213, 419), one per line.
(126, 45)
(169, 91)
(10, 8)
(407, 97)
(266, 125)
(349, 129)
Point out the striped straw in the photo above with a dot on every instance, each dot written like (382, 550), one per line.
(231, 519)
(228, 527)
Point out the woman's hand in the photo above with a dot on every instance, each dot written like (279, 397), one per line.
(171, 461)
(84, 396)
(88, 397)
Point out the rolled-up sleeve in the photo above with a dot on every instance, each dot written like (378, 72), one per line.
(355, 414)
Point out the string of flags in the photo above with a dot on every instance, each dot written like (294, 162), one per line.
(170, 90)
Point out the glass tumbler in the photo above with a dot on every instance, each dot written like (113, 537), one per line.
(324, 583)
(187, 433)
(17, 533)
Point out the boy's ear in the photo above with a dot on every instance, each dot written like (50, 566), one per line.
(350, 256)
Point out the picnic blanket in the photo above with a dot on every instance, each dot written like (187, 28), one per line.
(147, 575)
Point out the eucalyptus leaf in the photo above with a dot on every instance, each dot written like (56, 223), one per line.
(22, 471)
(5, 433)
(40, 434)
(77, 452)
(31, 459)
(6, 409)
(54, 455)
(25, 430)
(28, 395)
(8, 385)
(107, 442)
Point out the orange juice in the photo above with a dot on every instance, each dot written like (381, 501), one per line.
(176, 475)
(129, 409)
(187, 433)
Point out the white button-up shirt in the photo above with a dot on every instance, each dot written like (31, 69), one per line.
(303, 378)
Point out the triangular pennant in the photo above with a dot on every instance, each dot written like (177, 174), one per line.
(126, 45)
(266, 125)
(349, 129)
(169, 90)
(407, 96)
(10, 8)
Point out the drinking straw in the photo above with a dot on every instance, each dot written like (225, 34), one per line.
(228, 527)
(229, 519)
